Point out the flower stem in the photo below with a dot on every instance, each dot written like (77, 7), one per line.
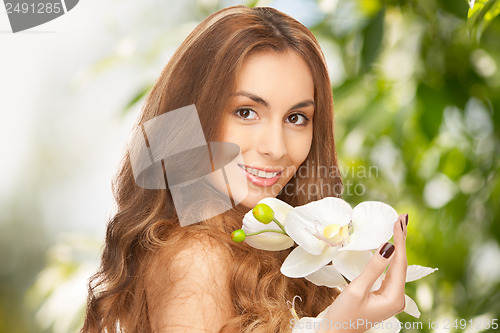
(282, 227)
(267, 230)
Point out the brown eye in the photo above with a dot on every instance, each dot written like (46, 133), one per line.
(293, 118)
(297, 119)
(246, 114)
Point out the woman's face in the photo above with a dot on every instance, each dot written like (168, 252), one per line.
(270, 119)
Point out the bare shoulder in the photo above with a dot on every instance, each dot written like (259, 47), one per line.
(202, 255)
(188, 287)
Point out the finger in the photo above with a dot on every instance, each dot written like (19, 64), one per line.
(375, 267)
(395, 280)
(397, 270)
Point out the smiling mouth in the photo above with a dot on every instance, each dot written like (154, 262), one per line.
(260, 177)
(260, 173)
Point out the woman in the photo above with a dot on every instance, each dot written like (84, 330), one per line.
(258, 79)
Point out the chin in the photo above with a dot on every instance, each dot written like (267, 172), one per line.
(250, 202)
(252, 199)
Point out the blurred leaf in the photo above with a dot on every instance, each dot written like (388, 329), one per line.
(454, 164)
(431, 105)
(370, 7)
(480, 16)
(141, 93)
(373, 35)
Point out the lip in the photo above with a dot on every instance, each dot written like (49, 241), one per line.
(259, 181)
(263, 169)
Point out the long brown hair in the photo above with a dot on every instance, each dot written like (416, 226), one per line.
(203, 72)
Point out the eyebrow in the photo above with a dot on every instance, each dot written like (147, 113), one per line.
(263, 102)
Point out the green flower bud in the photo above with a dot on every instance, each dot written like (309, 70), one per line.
(263, 213)
(238, 236)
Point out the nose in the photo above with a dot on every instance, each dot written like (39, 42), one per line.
(271, 142)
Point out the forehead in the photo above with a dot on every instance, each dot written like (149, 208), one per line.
(267, 73)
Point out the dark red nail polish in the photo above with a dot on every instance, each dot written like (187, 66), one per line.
(401, 224)
(406, 219)
(387, 250)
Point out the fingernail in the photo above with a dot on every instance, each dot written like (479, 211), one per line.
(401, 224)
(387, 250)
(406, 219)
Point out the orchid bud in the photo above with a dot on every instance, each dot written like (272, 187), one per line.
(263, 213)
(238, 236)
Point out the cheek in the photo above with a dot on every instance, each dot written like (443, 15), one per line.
(238, 134)
(231, 133)
(298, 147)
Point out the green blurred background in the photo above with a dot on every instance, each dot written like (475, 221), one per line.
(416, 90)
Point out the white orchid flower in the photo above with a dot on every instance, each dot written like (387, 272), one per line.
(330, 230)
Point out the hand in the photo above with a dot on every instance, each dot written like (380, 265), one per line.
(358, 308)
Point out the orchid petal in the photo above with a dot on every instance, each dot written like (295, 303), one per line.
(351, 263)
(411, 307)
(327, 276)
(305, 221)
(270, 241)
(378, 283)
(390, 325)
(373, 224)
(300, 263)
(415, 272)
